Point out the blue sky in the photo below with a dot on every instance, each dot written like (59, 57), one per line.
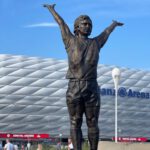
(26, 28)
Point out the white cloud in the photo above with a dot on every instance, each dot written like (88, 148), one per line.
(43, 24)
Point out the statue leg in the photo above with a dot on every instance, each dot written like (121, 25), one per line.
(76, 115)
(92, 114)
(76, 109)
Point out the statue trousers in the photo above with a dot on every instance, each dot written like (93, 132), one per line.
(83, 97)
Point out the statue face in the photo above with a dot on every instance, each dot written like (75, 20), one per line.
(85, 27)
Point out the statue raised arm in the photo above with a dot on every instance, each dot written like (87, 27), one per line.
(102, 38)
(65, 31)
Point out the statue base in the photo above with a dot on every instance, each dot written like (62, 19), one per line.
(103, 145)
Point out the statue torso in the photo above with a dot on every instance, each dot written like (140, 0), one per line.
(83, 55)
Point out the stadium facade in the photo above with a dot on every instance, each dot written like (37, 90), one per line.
(32, 98)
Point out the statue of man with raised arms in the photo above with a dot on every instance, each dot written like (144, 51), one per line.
(83, 94)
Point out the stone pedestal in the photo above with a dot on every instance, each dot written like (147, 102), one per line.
(103, 145)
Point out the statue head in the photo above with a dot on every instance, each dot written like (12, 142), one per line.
(83, 25)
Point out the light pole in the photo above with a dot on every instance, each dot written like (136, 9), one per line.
(60, 135)
(116, 77)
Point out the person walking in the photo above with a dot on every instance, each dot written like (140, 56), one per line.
(70, 145)
(1, 148)
(9, 145)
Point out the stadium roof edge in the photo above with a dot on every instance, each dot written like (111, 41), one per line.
(65, 61)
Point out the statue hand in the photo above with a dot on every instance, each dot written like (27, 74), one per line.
(49, 6)
(118, 23)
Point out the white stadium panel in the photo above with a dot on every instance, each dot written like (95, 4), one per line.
(32, 98)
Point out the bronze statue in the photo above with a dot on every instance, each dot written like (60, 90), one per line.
(83, 94)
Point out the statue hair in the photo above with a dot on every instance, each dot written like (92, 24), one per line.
(78, 20)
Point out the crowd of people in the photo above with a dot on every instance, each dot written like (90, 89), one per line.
(11, 146)
(8, 146)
